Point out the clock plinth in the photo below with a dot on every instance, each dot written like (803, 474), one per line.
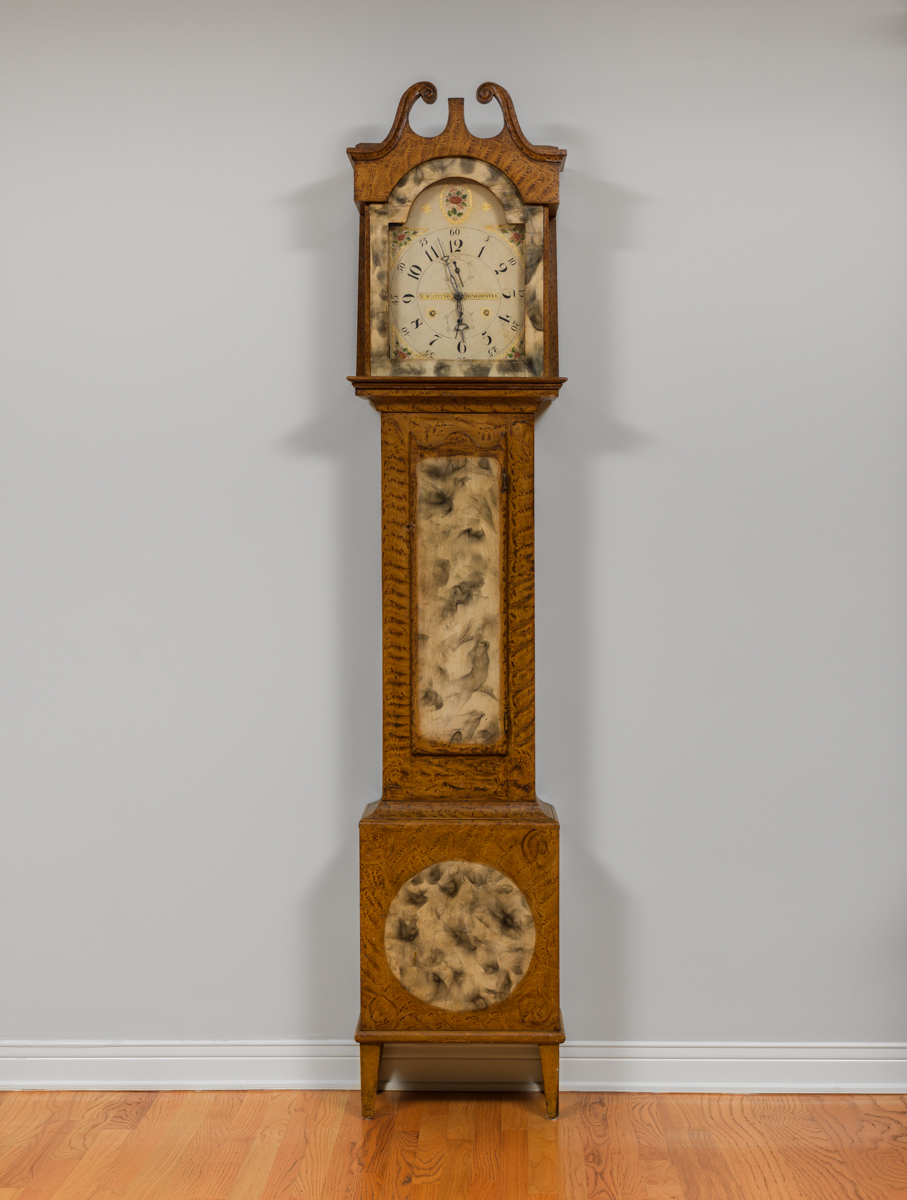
(475, 975)
(459, 858)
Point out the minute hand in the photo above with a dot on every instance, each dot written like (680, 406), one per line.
(457, 294)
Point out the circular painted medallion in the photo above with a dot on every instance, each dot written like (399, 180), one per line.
(459, 935)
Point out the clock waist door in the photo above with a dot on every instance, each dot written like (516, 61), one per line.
(458, 600)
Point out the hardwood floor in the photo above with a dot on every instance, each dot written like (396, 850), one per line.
(450, 1146)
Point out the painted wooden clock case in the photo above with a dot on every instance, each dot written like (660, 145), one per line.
(459, 858)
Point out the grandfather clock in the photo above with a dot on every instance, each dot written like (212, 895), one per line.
(457, 350)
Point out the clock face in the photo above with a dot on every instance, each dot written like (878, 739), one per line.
(457, 288)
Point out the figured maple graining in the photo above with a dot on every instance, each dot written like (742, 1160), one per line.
(379, 165)
(458, 600)
(502, 770)
(391, 853)
(459, 935)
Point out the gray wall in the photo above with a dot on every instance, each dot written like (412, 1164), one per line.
(190, 560)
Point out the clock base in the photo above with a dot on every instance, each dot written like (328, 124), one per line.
(509, 848)
(371, 1047)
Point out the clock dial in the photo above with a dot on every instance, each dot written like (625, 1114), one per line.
(457, 293)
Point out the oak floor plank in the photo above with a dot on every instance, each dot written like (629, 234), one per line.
(484, 1189)
(99, 1110)
(514, 1174)
(151, 1180)
(329, 1108)
(218, 1170)
(277, 1118)
(79, 1182)
(252, 1176)
(787, 1123)
(694, 1150)
(571, 1162)
(213, 1155)
(376, 1141)
(542, 1152)
(371, 1187)
(870, 1138)
(132, 1108)
(116, 1175)
(461, 1120)
(410, 1106)
(659, 1178)
(610, 1147)
(401, 1161)
(514, 1109)
(345, 1168)
(487, 1143)
(281, 1183)
(759, 1168)
(22, 1167)
(457, 1169)
(432, 1143)
(51, 1172)
(23, 1124)
(49, 1176)
(730, 1146)
(424, 1191)
(376, 1138)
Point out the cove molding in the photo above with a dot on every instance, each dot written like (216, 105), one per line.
(334, 1063)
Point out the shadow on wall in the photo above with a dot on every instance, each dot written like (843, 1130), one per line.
(596, 223)
(344, 430)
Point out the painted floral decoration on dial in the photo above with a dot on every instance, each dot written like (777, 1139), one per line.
(457, 292)
(456, 202)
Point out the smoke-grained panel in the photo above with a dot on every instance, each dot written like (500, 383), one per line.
(459, 935)
(458, 600)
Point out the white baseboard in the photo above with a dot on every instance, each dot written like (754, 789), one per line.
(333, 1063)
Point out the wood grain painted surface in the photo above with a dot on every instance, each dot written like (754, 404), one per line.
(452, 1146)
(390, 853)
(415, 767)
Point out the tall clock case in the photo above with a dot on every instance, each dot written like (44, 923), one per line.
(457, 349)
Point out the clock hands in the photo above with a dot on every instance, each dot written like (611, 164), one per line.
(458, 297)
(457, 288)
